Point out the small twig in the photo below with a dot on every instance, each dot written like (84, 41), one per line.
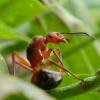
(77, 88)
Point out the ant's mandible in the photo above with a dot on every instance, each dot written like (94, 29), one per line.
(37, 52)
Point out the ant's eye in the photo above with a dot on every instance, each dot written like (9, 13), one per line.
(49, 36)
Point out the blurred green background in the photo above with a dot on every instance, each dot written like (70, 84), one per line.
(21, 20)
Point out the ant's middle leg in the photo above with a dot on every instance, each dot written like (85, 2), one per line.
(24, 66)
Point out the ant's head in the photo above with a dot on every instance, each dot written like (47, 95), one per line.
(56, 37)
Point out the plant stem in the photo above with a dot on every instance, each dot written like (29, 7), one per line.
(77, 88)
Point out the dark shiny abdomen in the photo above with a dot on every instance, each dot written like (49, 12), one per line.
(47, 79)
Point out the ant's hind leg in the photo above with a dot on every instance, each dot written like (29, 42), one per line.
(24, 66)
(21, 60)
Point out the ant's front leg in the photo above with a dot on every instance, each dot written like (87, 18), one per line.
(48, 53)
(60, 66)
(66, 70)
(50, 62)
(56, 53)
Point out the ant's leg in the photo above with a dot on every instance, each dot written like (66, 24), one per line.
(57, 54)
(65, 70)
(14, 54)
(60, 66)
(24, 66)
(48, 53)
(20, 58)
(47, 64)
(13, 62)
(59, 60)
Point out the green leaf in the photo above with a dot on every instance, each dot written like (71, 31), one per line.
(16, 96)
(10, 86)
(2, 2)
(90, 83)
(3, 66)
(8, 33)
(16, 46)
(44, 24)
(17, 12)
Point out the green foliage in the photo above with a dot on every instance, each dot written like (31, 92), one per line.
(78, 88)
(8, 33)
(19, 11)
(3, 66)
(16, 96)
(12, 88)
(21, 20)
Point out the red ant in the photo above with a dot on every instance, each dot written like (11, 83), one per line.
(37, 52)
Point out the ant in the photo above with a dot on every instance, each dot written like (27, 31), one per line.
(37, 51)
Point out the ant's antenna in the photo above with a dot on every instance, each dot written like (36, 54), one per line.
(79, 33)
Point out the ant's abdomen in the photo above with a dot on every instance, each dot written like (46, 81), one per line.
(46, 79)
